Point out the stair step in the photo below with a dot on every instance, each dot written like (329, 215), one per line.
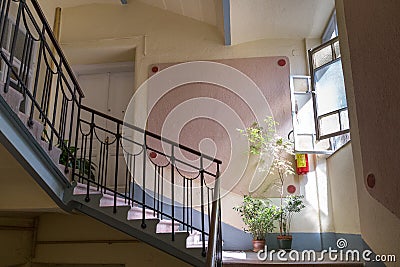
(94, 199)
(12, 97)
(108, 200)
(136, 213)
(81, 189)
(36, 128)
(179, 238)
(54, 153)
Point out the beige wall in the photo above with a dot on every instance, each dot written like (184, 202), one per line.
(367, 55)
(18, 190)
(73, 239)
(90, 241)
(15, 240)
(343, 191)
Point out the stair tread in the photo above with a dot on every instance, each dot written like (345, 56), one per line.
(12, 97)
(36, 128)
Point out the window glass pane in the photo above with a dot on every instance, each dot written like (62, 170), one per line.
(329, 124)
(300, 84)
(323, 145)
(322, 57)
(337, 49)
(304, 121)
(344, 119)
(303, 142)
(329, 87)
(340, 140)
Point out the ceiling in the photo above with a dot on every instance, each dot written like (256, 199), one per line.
(276, 19)
(202, 10)
(249, 20)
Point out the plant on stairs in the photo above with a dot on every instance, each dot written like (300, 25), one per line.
(82, 165)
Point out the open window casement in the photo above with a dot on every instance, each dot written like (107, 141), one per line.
(319, 106)
(328, 91)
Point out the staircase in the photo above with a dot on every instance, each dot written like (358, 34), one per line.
(133, 180)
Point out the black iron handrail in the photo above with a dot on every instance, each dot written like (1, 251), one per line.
(159, 137)
(56, 45)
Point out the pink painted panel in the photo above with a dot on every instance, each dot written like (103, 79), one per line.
(270, 74)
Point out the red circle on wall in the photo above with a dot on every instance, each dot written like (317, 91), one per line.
(291, 189)
(281, 62)
(153, 155)
(154, 69)
(371, 180)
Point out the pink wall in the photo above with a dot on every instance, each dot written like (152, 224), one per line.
(267, 74)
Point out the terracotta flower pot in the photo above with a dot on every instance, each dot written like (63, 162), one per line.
(258, 245)
(285, 242)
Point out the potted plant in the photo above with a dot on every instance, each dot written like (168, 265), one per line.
(293, 204)
(82, 165)
(265, 141)
(259, 216)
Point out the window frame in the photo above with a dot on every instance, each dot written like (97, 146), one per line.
(317, 117)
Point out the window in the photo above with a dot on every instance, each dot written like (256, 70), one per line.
(319, 105)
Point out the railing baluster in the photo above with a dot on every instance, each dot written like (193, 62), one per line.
(89, 170)
(158, 190)
(191, 205)
(203, 233)
(106, 165)
(117, 137)
(53, 121)
(144, 182)
(183, 200)
(173, 190)
(5, 8)
(133, 179)
(162, 193)
(82, 168)
(127, 178)
(154, 190)
(35, 86)
(100, 173)
(13, 44)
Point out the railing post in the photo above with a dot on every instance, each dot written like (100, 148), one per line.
(214, 239)
(203, 234)
(144, 182)
(78, 125)
(92, 125)
(117, 143)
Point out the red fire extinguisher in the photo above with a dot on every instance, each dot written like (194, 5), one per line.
(302, 166)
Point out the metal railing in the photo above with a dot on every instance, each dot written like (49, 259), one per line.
(132, 165)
